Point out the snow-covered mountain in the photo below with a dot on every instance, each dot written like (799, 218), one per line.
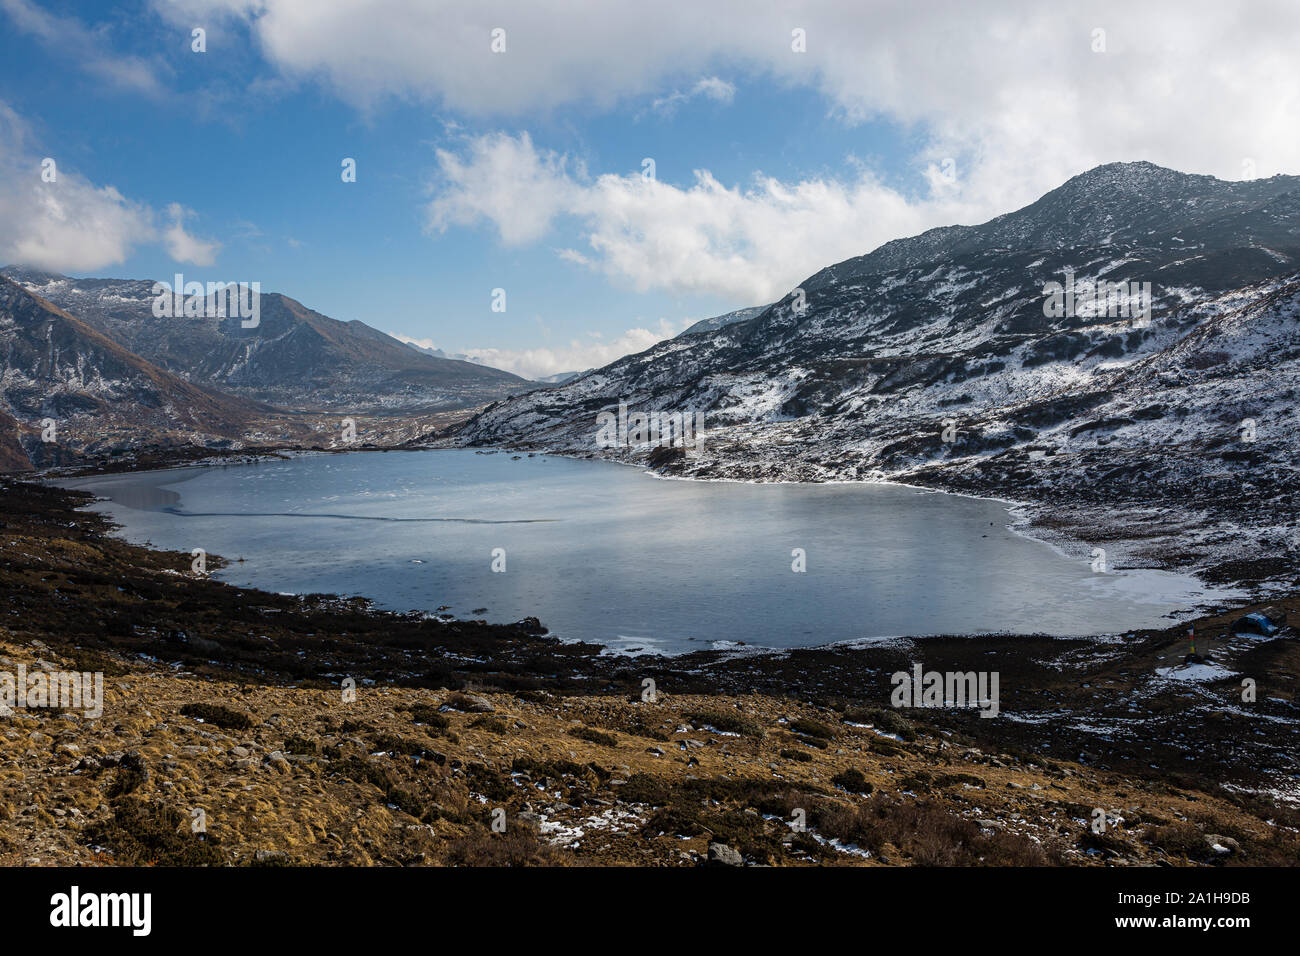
(948, 360)
(294, 357)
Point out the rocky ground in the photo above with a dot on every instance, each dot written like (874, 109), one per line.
(228, 736)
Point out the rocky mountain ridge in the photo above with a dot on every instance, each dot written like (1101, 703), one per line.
(294, 358)
(942, 360)
(68, 390)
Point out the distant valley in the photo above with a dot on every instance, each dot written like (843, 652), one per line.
(295, 358)
(89, 370)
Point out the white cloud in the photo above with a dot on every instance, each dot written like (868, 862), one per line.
(1016, 87)
(709, 87)
(748, 244)
(69, 227)
(1013, 92)
(182, 246)
(505, 180)
(83, 46)
(577, 356)
(72, 224)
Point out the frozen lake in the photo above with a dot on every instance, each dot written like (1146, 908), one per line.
(608, 553)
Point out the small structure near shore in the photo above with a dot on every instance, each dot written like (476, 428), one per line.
(1269, 622)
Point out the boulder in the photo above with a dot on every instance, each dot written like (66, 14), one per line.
(722, 855)
(1222, 845)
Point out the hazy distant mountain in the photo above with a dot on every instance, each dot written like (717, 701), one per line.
(439, 353)
(729, 318)
(99, 396)
(559, 378)
(295, 358)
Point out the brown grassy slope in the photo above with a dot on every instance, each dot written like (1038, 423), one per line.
(228, 701)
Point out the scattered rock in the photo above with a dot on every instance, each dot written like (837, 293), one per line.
(722, 855)
(470, 704)
(1223, 845)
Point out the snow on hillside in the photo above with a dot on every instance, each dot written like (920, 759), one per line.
(1168, 435)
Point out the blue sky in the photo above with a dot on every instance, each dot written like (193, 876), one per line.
(523, 170)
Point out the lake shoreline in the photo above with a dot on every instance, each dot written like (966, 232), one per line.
(809, 515)
(1133, 538)
(167, 639)
(1240, 536)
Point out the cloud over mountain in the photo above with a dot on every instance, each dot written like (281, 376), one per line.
(53, 217)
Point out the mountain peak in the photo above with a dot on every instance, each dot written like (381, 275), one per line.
(24, 274)
(1132, 203)
(1140, 177)
(1139, 170)
(295, 357)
